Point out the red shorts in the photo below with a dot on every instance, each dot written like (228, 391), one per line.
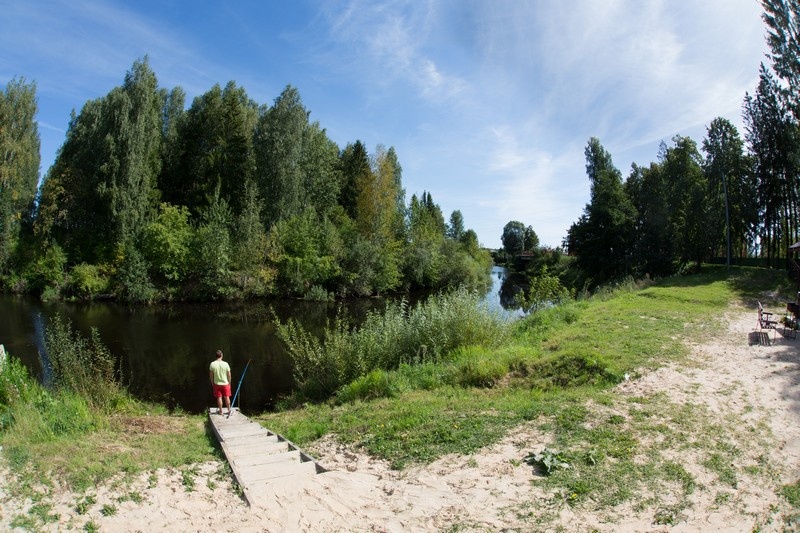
(222, 390)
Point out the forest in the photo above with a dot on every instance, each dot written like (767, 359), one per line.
(149, 201)
(734, 198)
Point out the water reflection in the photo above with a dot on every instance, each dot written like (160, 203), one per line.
(165, 350)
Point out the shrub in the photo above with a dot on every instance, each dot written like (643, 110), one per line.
(427, 333)
(481, 372)
(376, 384)
(318, 293)
(571, 370)
(86, 281)
(83, 367)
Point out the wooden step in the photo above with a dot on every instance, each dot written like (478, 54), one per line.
(259, 458)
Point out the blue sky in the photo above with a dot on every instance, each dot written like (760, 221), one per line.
(488, 103)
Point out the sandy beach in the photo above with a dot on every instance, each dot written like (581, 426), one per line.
(493, 490)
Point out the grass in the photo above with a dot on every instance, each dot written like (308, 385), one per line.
(554, 371)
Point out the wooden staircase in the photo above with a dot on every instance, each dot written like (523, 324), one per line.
(258, 457)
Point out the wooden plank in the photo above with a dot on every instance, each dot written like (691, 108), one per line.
(256, 460)
(239, 451)
(274, 471)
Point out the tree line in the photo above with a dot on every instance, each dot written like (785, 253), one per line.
(148, 200)
(731, 197)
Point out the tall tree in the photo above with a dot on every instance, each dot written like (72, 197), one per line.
(136, 151)
(101, 190)
(321, 169)
(783, 22)
(455, 229)
(423, 258)
(355, 168)
(732, 196)
(772, 138)
(603, 238)
(686, 195)
(279, 148)
(647, 188)
(215, 151)
(377, 216)
(19, 161)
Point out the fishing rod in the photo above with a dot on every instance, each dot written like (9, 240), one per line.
(238, 387)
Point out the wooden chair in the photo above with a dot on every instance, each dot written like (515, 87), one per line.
(765, 320)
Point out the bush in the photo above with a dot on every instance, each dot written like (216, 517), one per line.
(83, 367)
(376, 384)
(86, 281)
(317, 293)
(427, 333)
(481, 372)
(571, 370)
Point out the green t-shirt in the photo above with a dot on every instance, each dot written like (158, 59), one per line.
(220, 371)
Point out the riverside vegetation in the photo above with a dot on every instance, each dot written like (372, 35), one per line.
(410, 405)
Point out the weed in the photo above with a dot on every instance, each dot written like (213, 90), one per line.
(668, 516)
(25, 523)
(91, 527)
(84, 504)
(722, 498)
(42, 512)
(188, 478)
(547, 461)
(792, 494)
(722, 466)
(108, 509)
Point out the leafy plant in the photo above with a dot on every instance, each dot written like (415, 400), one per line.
(547, 460)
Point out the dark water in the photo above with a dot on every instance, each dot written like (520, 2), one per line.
(165, 350)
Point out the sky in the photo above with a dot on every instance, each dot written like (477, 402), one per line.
(489, 104)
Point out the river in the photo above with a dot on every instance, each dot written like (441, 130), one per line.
(164, 350)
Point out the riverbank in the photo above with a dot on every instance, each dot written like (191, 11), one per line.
(666, 414)
(749, 390)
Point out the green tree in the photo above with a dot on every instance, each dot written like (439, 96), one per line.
(215, 151)
(782, 18)
(423, 257)
(687, 195)
(19, 162)
(377, 218)
(772, 138)
(517, 238)
(101, 190)
(603, 238)
(166, 243)
(355, 168)
(306, 250)
(211, 249)
(321, 170)
(134, 160)
(732, 189)
(455, 229)
(647, 188)
(279, 151)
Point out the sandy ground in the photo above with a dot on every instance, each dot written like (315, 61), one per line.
(492, 490)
